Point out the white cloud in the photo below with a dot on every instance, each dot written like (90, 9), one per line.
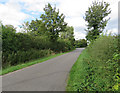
(35, 13)
(74, 10)
(36, 5)
(113, 31)
(73, 7)
(114, 9)
(75, 21)
(10, 13)
(79, 35)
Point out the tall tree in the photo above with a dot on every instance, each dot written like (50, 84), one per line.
(1, 25)
(25, 27)
(54, 22)
(8, 38)
(37, 27)
(68, 34)
(96, 18)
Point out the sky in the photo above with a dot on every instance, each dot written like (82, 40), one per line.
(16, 12)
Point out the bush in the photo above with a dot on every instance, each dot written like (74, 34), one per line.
(101, 69)
(23, 56)
(80, 43)
(98, 68)
(63, 45)
(22, 47)
(41, 42)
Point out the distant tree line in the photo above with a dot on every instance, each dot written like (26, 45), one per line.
(80, 43)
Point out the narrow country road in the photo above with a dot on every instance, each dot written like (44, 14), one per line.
(50, 75)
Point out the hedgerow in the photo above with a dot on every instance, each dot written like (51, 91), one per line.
(98, 70)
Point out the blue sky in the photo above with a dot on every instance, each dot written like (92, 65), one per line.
(15, 12)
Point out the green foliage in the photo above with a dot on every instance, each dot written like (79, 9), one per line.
(26, 64)
(36, 39)
(80, 43)
(95, 16)
(1, 36)
(68, 34)
(8, 38)
(97, 67)
(25, 27)
(23, 56)
(64, 45)
(37, 28)
(101, 62)
(77, 74)
(54, 22)
(41, 42)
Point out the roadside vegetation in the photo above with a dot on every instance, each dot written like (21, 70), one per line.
(39, 38)
(80, 43)
(97, 68)
(29, 63)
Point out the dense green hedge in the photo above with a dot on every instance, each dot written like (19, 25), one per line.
(62, 45)
(22, 47)
(36, 38)
(10, 59)
(81, 43)
(97, 70)
(102, 67)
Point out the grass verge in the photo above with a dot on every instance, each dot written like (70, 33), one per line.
(29, 63)
(96, 69)
(77, 73)
(85, 76)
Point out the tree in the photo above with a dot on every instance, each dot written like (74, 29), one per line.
(95, 16)
(68, 34)
(80, 43)
(8, 38)
(37, 27)
(54, 22)
(25, 27)
(1, 25)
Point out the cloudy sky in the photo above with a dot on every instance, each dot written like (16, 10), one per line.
(15, 12)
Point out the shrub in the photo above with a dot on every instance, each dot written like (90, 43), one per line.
(101, 69)
(80, 43)
(63, 45)
(22, 47)
(97, 68)
(23, 56)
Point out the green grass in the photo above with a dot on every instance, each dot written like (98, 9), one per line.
(96, 69)
(29, 63)
(77, 73)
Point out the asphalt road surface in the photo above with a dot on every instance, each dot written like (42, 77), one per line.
(50, 75)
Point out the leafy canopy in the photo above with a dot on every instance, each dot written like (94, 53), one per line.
(96, 19)
(54, 22)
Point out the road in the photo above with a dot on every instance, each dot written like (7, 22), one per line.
(50, 75)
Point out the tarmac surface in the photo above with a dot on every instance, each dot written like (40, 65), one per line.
(50, 75)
